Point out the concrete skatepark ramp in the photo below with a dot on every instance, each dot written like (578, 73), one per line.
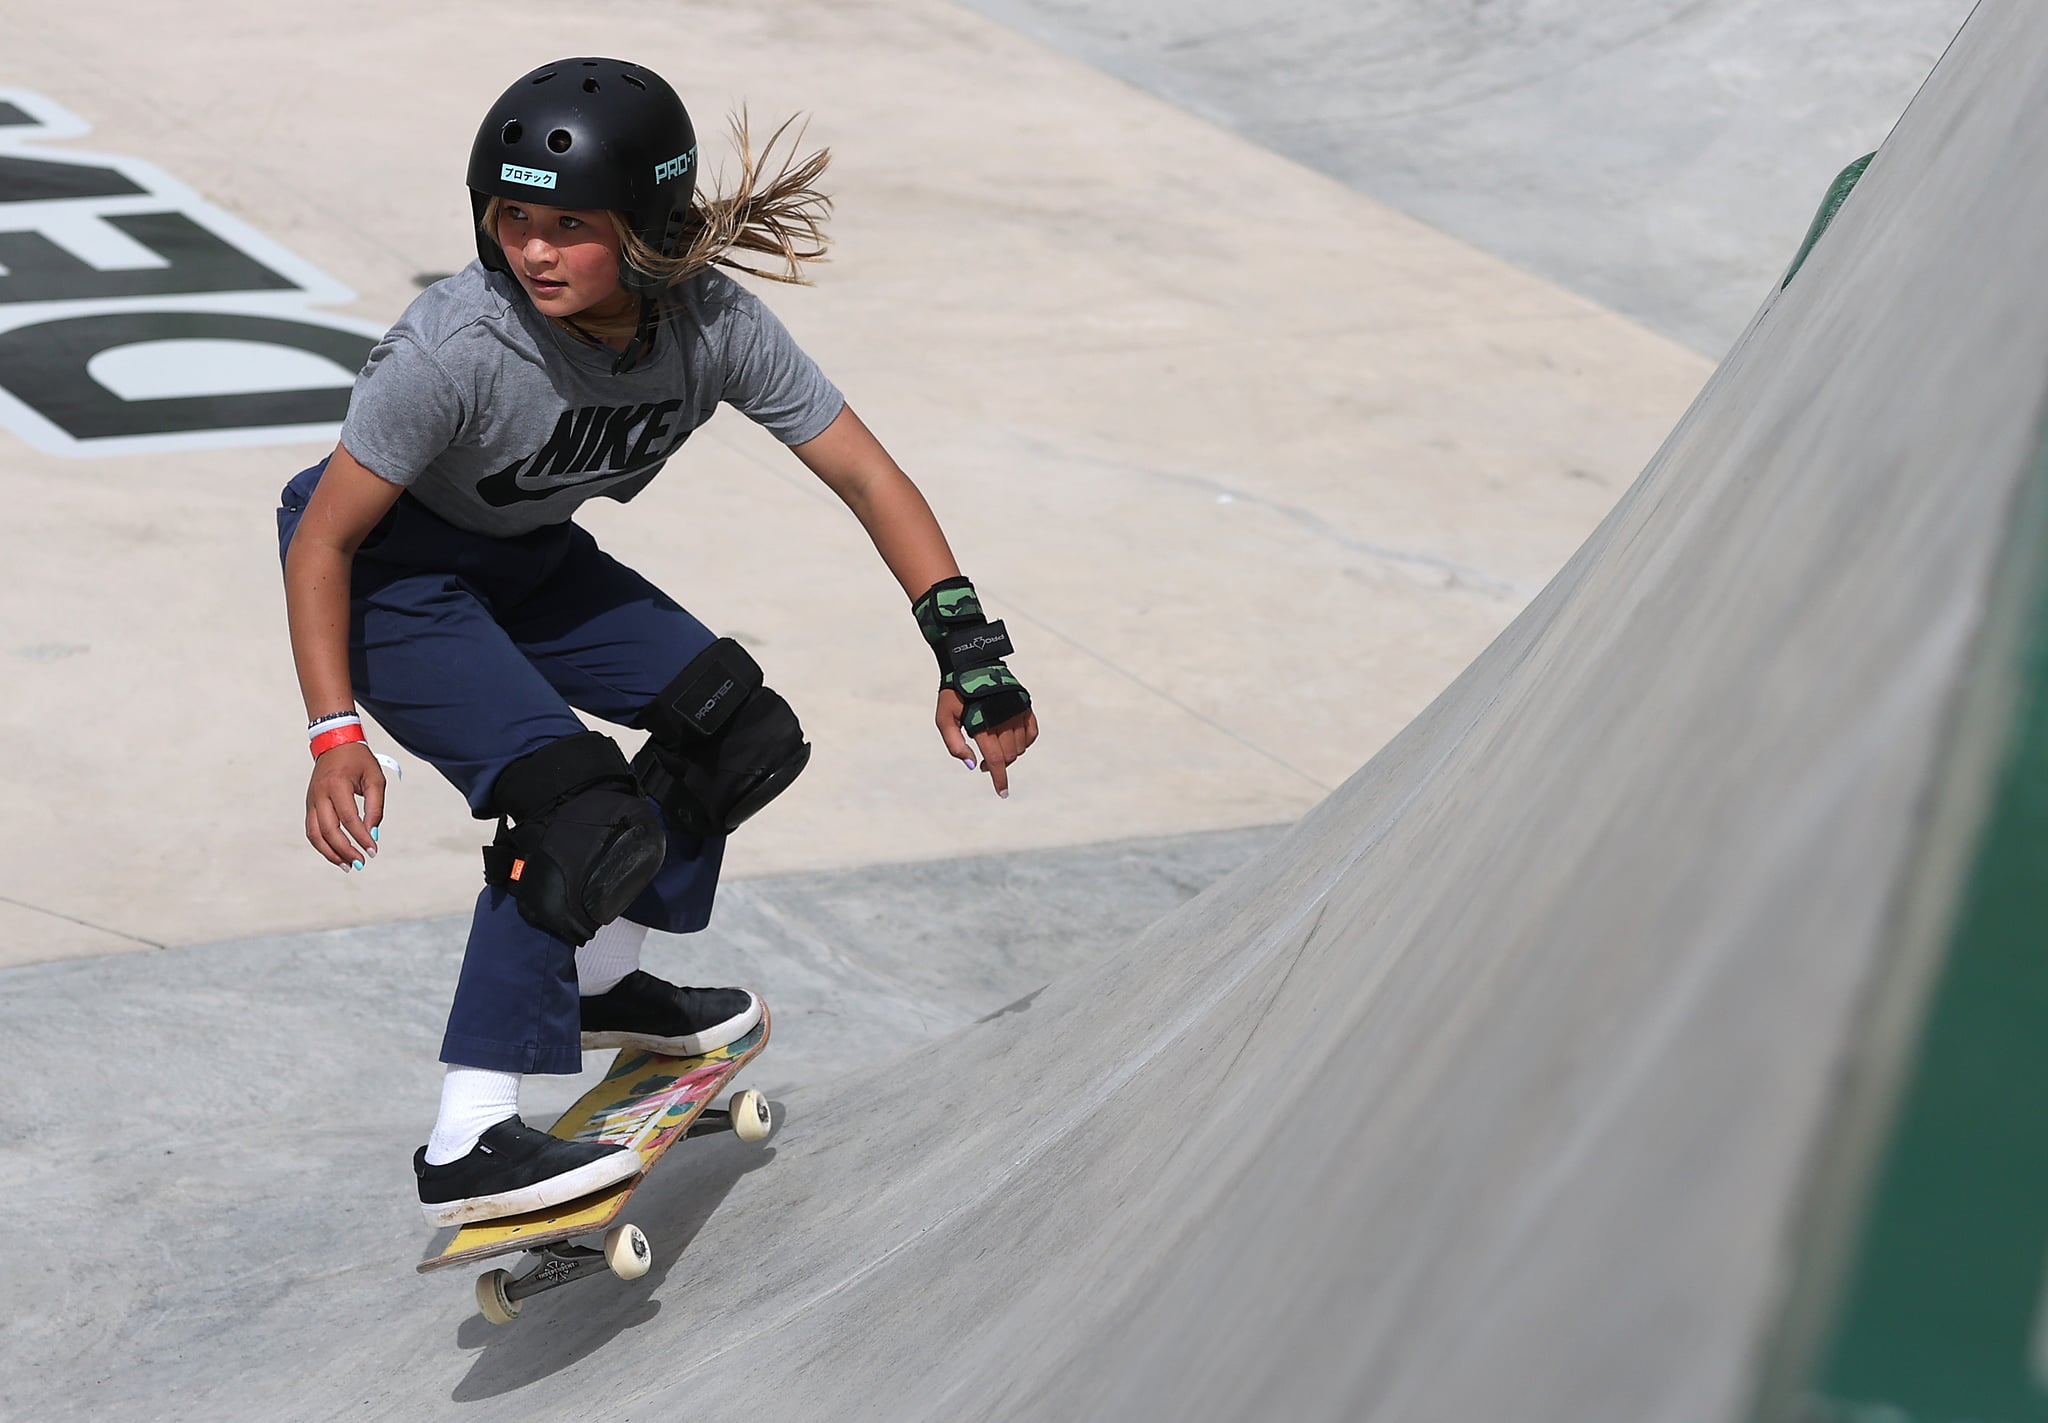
(1508, 1084)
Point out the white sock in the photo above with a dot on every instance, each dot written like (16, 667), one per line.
(473, 1100)
(612, 953)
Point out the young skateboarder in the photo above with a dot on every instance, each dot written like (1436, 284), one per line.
(434, 575)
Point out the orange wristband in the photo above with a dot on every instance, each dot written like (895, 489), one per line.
(340, 736)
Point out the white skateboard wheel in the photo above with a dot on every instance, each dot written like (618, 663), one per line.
(751, 1119)
(491, 1299)
(626, 1252)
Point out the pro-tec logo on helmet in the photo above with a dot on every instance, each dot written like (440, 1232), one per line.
(675, 167)
(532, 177)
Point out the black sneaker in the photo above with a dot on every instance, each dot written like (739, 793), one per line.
(642, 1011)
(514, 1168)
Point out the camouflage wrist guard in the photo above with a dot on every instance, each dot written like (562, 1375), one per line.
(970, 651)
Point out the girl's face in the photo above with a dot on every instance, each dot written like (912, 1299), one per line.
(566, 258)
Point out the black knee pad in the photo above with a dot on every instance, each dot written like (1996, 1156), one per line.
(720, 745)
(583, 841)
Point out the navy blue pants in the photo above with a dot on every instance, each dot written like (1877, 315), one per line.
(470, 651)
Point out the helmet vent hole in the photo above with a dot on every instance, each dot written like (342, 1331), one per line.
(633, 81)
(590, 86)
(559, 140)
(543, 78)
(512, 131)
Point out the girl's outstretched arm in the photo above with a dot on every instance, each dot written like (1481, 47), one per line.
(852, 464)
(344, 508)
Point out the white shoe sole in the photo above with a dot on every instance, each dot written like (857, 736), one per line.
(730, 1031)
(595, 1176)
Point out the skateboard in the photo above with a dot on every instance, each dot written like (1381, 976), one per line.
(646, 1101)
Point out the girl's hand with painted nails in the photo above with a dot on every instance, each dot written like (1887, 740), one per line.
(345, 836)
(999, 745)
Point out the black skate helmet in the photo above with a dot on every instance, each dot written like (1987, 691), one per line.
(589, 133)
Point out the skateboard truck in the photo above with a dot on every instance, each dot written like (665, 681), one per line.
(626, 1253)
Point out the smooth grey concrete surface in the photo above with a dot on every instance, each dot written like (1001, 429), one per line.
(1661, 157)
(1488, 1091)
(240, 1140)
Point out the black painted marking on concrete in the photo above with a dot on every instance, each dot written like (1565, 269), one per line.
(84, 273)
(49, 180)
(195, 261)
(45, 366)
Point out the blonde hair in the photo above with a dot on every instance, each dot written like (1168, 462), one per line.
(782, 217)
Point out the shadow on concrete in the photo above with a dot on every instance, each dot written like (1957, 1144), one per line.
(1022, 1005)
(567, 1325)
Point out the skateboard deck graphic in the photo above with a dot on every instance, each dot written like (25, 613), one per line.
(646, 1101)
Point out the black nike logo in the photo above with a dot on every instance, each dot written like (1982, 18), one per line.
(591, 443)
(503, 488)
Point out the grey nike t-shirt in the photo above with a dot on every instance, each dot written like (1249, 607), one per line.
(501, 422)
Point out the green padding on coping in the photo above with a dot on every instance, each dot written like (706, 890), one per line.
(1944, 1314)
(1838, 193)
